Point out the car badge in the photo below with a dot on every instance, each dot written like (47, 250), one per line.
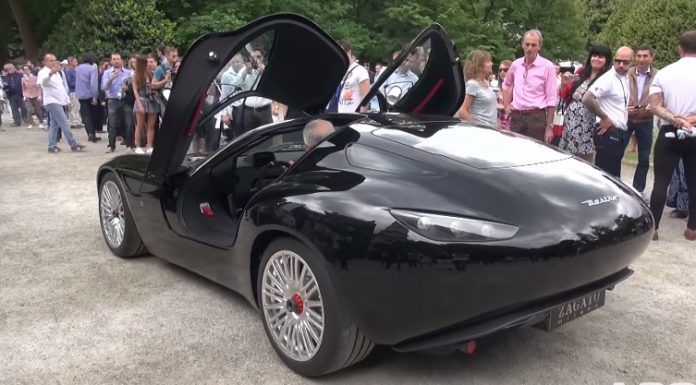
(599, 201)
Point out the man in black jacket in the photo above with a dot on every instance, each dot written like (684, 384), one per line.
(13, 90)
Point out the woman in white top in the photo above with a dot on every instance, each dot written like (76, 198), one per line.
(480, 103)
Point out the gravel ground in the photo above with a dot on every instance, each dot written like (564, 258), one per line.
(72, 313)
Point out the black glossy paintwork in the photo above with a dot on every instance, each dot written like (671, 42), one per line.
(395, 283)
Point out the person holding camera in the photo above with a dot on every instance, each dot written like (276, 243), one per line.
(55, 98)
(120, 112)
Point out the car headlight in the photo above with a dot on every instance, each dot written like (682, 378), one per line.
(453, 229)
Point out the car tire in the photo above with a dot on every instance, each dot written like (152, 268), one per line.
(340, 342)
(114, 211)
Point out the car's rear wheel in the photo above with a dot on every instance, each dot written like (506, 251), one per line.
(301, 313)
(116, 221)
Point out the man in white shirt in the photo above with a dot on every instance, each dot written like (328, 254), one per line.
(356, 83)
(255, 111)
(401, 81)
(672, 98)
(55, 98)
(229, 79)
(608, 99)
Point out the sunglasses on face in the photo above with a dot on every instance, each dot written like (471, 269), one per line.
(620, 61)
(503, 70)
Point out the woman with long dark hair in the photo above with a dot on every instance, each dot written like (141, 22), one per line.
(579, 122)
(146, 109)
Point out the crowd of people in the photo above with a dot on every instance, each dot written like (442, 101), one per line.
(591, 112)
(594, 111)
(121, 95)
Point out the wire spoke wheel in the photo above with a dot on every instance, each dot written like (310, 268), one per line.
(292, 305)
(113, 220)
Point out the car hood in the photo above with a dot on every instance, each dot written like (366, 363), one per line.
(476, 146)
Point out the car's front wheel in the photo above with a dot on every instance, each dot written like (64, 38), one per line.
(301, 312)
(116, 221)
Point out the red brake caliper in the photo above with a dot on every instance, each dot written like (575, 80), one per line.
(299, 303)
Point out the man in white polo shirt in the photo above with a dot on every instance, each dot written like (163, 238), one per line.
(608, 100)
(255, 111)
(55, 98)
(673, 99)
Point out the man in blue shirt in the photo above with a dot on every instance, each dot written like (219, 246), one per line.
(74, 109)
(120, 113)
(87, 93)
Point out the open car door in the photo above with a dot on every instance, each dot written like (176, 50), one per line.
(425, 78)
(287, 76)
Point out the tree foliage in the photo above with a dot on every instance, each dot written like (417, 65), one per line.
(655, 23)
(376, 29)
(106, 26)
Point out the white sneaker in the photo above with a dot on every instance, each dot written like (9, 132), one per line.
(139, 150)
(41, 126)
(149, 150)
(30, 126)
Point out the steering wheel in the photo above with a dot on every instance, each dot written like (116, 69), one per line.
(265, 172)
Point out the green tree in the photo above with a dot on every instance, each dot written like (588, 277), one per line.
(657, 24)
(103, 26)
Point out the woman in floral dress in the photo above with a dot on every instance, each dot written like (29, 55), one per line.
(579, 122)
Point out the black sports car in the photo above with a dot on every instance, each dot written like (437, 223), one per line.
(405, 227)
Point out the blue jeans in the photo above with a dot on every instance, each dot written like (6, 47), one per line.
(644, 138)
(120, 121)
(58, 121)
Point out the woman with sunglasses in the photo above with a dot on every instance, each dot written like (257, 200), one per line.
(579, 122)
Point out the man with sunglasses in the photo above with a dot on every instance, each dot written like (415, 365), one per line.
(673, 100)
(608, 100)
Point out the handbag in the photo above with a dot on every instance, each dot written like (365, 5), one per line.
(558, 118)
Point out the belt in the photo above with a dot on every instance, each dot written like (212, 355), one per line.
(528, 112)
(261, 108)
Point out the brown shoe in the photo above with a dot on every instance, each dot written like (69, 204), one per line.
(690, 234)
(655, 236)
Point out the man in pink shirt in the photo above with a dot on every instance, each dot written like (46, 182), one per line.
(530, 91)
(32, 97)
